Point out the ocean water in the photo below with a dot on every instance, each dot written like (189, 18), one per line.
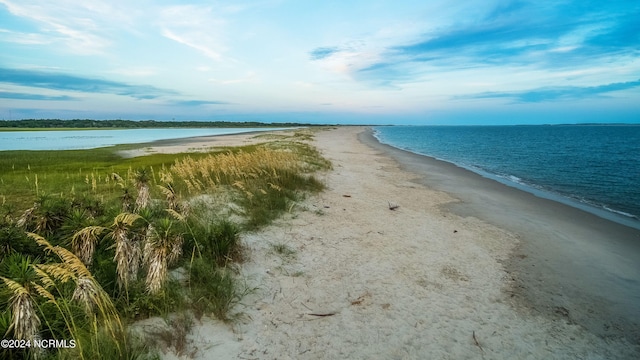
(88, 139)
(595, 166)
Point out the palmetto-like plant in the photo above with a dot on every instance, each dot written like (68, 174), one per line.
(127, 250)
(25, 322)
(46, 214)
(127, 201)
(84, 242)
(141, 178)
(163, 246)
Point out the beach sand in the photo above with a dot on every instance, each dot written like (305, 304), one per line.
(202, 143)
(451, 273)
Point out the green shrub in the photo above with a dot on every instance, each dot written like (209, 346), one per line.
(213, 290)
(13, 239)
(217, 242)
(141, 305)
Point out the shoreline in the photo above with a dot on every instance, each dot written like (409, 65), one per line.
(137, 142)
(569, 262)
(602, 211)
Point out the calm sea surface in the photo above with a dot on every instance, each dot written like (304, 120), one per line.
(593, 165)
(88, 139)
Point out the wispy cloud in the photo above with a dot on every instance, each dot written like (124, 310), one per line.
(323, 52)
(22, 38)
(80, 27)
(62, 81)
(196, 27)
(516, 33)
(25, 96)
(556, 93)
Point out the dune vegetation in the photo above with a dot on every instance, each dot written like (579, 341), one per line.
(91, 243)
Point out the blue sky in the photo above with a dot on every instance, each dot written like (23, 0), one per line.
(382, 62)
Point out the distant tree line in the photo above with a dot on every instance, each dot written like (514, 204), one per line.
(56, 123)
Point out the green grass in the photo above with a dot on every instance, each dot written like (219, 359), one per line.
(283, 250)
(213, 290)
(24, 175)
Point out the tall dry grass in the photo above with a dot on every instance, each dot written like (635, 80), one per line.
(88, 291)
(234, 168)
(264, 179)
(39, 286)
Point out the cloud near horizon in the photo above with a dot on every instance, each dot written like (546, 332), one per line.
(197, 103)
(556, 93)
(62, 81)
(27, 96)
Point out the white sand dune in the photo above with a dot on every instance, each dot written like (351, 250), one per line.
(367, 282)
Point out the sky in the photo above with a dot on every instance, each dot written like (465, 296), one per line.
(332, 61)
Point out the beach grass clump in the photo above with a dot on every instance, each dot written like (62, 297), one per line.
(213, 289)
(283, 249)
(217, 241)
(140, 304)
(58, 298)
(266, 178)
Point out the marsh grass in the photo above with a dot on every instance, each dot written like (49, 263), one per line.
(70, 173)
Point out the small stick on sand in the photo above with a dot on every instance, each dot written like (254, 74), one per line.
(475, 340)
(327, 314)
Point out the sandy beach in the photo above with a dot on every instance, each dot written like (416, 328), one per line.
(200, 143)
(406, 257)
